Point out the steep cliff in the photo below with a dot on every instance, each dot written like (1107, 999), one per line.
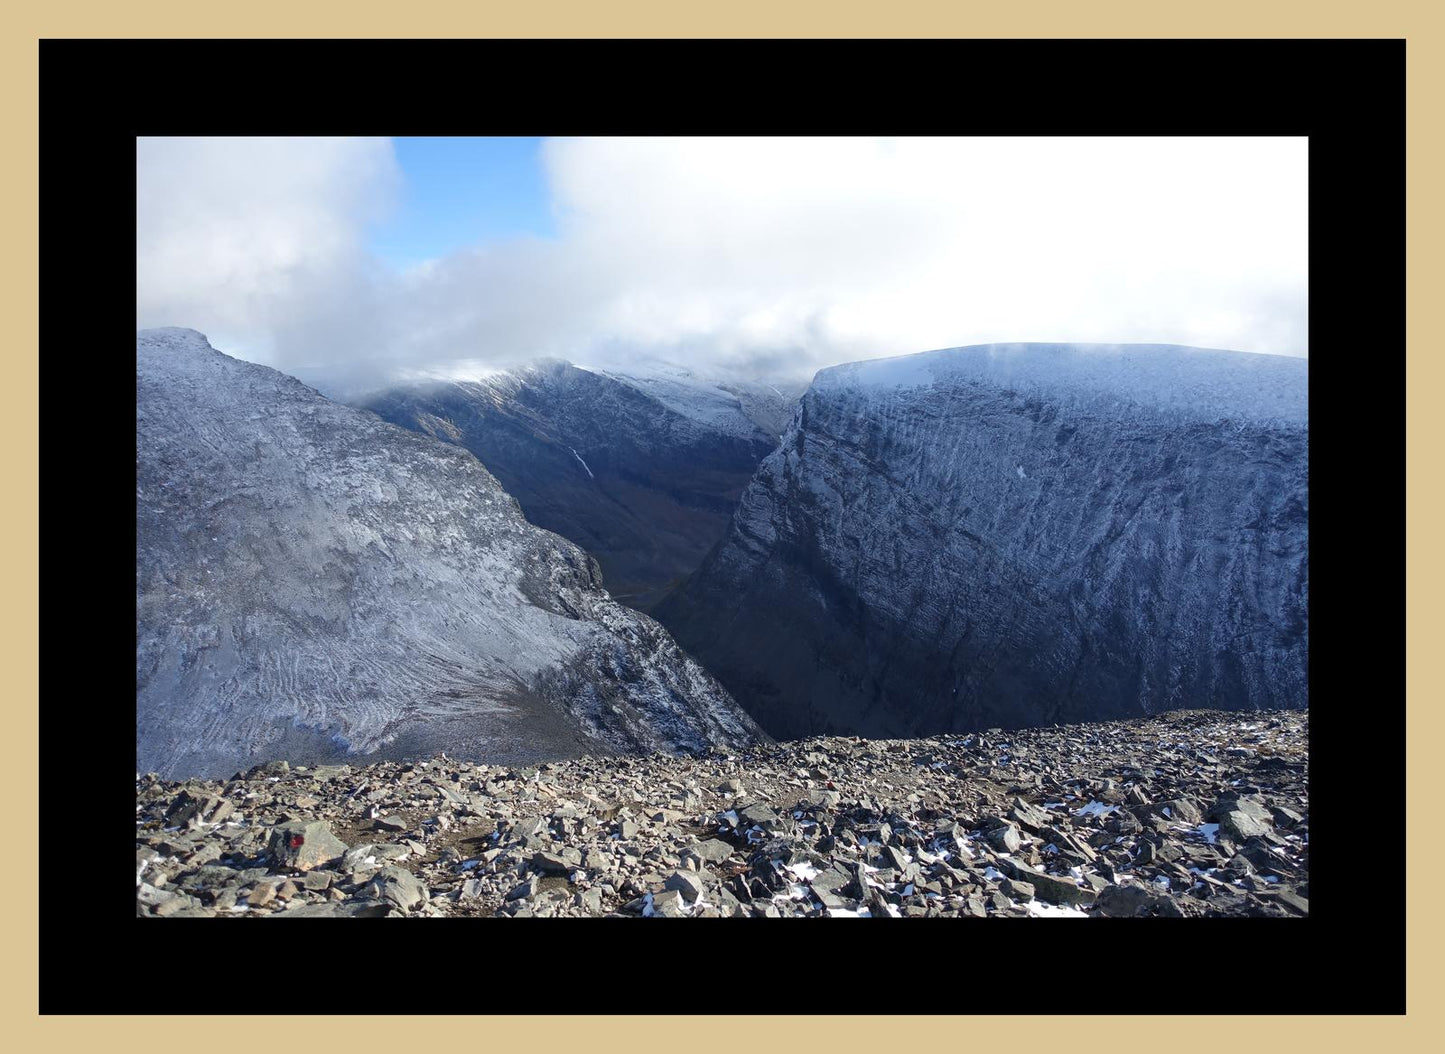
(1017, 535)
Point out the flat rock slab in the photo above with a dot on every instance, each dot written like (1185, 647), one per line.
(1241, 825)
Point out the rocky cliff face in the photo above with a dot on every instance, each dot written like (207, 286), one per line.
(1016, 535)
(311, 582)
(643, 473)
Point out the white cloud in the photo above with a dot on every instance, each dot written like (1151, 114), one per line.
(258, 242)
(797, 252)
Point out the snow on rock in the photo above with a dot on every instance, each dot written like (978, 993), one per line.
(720, 400)
(1040, 910)
(311, 581)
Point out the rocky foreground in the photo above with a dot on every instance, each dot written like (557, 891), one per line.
(1190, 813)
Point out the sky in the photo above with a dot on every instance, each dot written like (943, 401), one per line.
(460, 192)
(770, 256)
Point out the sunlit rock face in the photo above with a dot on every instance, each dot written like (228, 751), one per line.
(312, 582)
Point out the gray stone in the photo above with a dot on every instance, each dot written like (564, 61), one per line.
(177, 904)
(185, 807)
(668, 904)
(689, 883)
(761, 815)
(830, 885)
(152, 897)
(1030, 816)
(204, 855)
(1004, 838)
(398, 886)
(367, 909)
(713, 850)
(525, 889)
(1068, 844)
(562, 863)
(324, 910)
(1249, 805)
(261, 894)
(143, 859)
(191, 911)
(1181, 810)
(1284, 817)
(1296, 903)
(1017, 889)
(303, 846)
(893, 857)
(1051, 888)
(1241, 825)
(1129, 900)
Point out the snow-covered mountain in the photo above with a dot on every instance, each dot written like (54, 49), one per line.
(312, 580)
(721, 400)
(1017, 534)
(642, 470)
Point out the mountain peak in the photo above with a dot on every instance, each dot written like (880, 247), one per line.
(178, 337)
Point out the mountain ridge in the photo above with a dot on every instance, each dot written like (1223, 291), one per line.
(645, 484)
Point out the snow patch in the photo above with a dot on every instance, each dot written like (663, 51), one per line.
(1039, 910)
(582, 463)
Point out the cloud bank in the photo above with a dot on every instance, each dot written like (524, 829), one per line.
(773, 255)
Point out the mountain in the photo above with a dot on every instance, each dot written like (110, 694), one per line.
(1017, 535)
(642, 470)
(723, 400)
(313, 582)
